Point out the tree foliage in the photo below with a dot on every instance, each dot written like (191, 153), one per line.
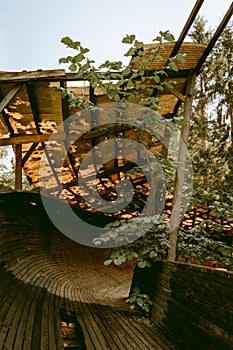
(7, 171)
(211, 148)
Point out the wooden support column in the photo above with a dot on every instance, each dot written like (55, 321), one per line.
(18, 167)
(180, 172)
(67, 143)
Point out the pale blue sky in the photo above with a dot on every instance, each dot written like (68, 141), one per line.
(30, 31)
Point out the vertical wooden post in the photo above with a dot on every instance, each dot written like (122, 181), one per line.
(179, 181)
(18, 167)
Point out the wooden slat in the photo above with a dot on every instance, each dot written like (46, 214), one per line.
(187, 26)
(11, 77)
(33, 104)
(11, 94)
(31, 138)
(176, 93)
(7, 122)
(29, 153)
(214, 39)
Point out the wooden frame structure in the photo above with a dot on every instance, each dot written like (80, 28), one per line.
(32, 108)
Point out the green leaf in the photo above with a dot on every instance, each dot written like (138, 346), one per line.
(158, 38)
(78, 58)
(126, 71)
(73, 67)
(139, 301)
(129, 84)
(63, 60)
(156, 78)
(136, 59)
(138, 44)
(84, 50)
(130, 52)
(70, 43)
(149, 91)
(136, 290)
(142, 264)
(132, 299)
(167, 35)
(128, 39)
(153, 254)
(108, 262)
(66, 40)
(173, 66)
(180, 57)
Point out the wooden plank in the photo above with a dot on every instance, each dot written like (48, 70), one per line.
(11, 94)
(187, 26)
(29, 153)
(33, 105)
(176, 93)
(7, 122)
(18, 167)
(9, 77)
(65, 115)
(31, 138)
(184, 73)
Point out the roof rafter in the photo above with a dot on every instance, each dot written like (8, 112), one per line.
(214, 39)
(187, 26)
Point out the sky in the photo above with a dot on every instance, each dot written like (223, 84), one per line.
(31, 30)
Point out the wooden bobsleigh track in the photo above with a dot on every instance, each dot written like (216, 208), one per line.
(47, 278)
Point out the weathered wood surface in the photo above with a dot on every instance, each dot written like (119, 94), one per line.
(193, 305)
(179, 187)
(31, 138)
(25, 76)
(42, 272)
(11, 94)
(18, 167)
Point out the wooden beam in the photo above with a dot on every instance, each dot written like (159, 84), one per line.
(34, 108)
(11, 94)
(29, 153)
(18, 167)
(65, 115)
(180, 172)
(165, 142)
(31, 138)
(60, 75)
(33, 105)
(48, 75)
(89, 135)
(7, 122)
(186, 28)
(214, 39)
(176, 93)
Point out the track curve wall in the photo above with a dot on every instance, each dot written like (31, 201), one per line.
(43, 272)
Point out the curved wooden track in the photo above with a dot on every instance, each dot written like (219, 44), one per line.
(42, 272)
